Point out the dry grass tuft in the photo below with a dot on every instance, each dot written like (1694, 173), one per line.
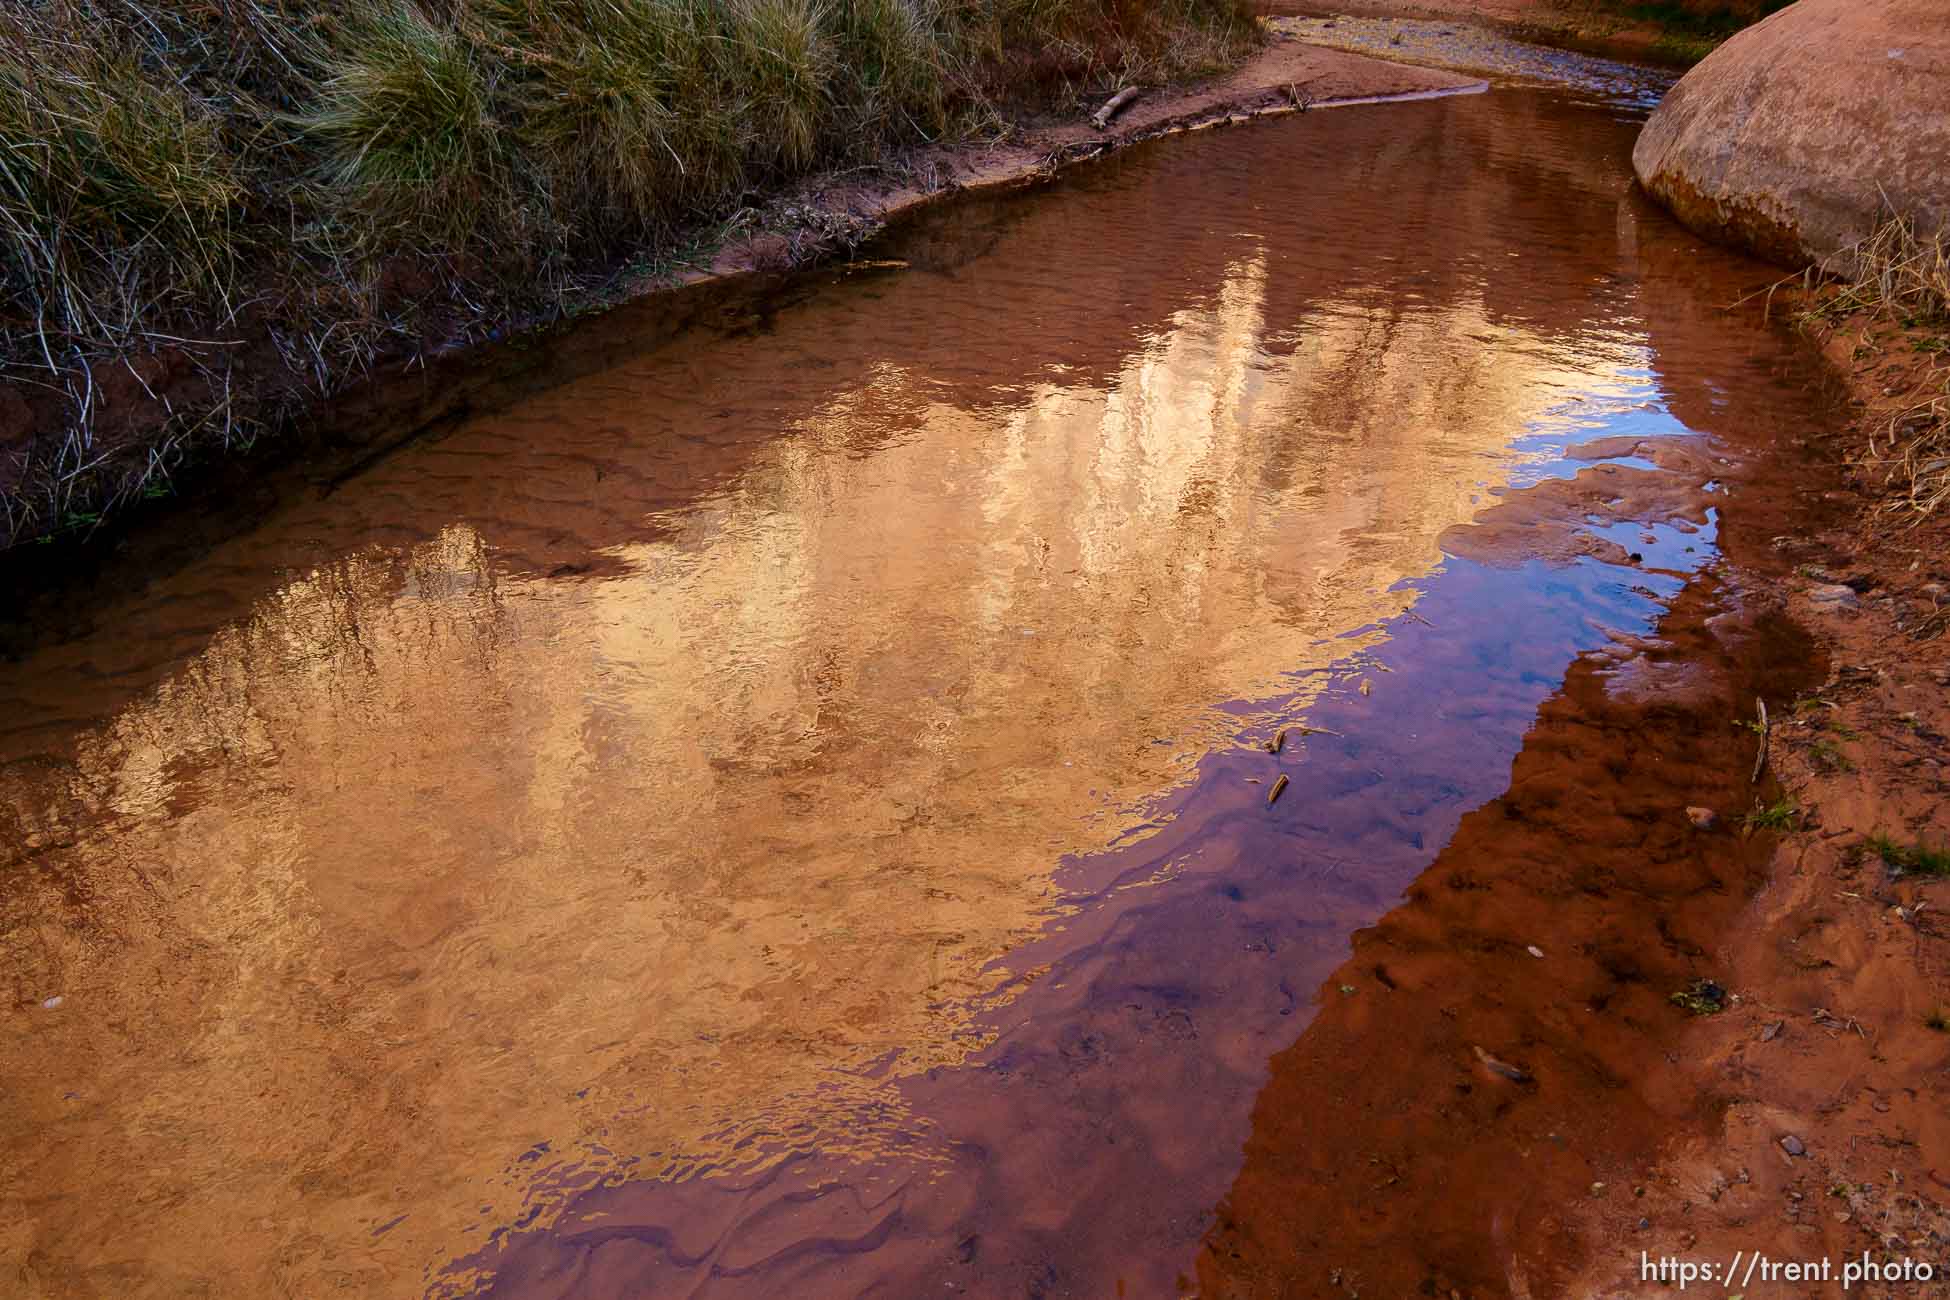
(1913, 450)
(1900, 278)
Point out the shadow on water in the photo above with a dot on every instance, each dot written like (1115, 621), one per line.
(788, 812)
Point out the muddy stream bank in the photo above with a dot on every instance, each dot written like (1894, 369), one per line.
(787, 811)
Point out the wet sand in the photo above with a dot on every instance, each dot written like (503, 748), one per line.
(1839, 969)
(1495, 1054)
(1481, 31)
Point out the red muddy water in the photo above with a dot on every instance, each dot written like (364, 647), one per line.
(787, 812)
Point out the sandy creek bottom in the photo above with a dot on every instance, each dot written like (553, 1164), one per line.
(786, 813)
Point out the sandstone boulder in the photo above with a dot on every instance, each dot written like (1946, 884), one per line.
(1800, 134)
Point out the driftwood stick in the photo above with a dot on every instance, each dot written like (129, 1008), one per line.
(1117, 104)
(1760, 759)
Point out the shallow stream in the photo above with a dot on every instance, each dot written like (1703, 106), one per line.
(787, 814)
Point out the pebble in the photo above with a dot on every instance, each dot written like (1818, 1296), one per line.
(1830, 596)
(1704, 819)
(1534, 950)
(54, 1002)
(1794, 1146)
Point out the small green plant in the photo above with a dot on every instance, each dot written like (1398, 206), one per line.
(1917, 859)
(1777, 816)
(1829, 755)
(1702, 997)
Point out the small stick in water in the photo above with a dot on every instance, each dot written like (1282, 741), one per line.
(1514, 1073)
(1760, 759)
(1278, 786)
(1278, 742)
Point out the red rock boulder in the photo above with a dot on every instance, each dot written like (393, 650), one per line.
(1800, 134)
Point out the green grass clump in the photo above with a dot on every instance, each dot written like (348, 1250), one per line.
(1702, 997)
(899, 59)
(405, 131)
(1777, 816)
(1913, 859)
(109, 177)
(784, 56)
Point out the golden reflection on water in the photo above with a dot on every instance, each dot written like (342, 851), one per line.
(430, 861)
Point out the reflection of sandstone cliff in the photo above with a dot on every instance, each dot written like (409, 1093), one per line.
(630, 772)
(1509, 197)
(750, 810)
